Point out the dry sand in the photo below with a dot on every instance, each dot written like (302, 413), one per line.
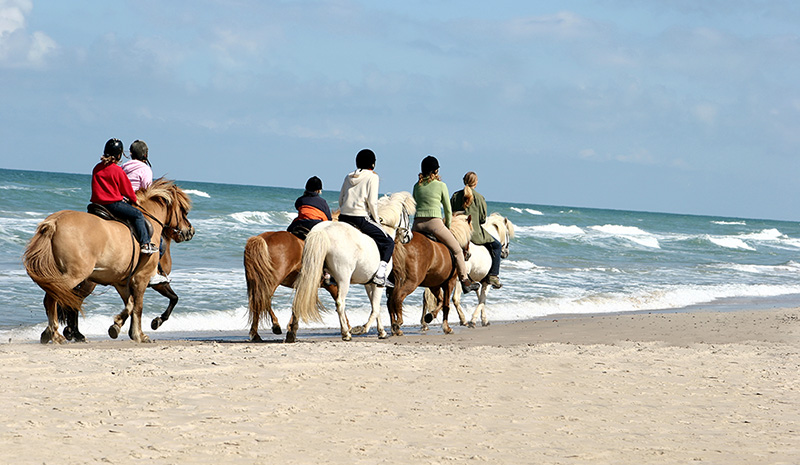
(721, 388)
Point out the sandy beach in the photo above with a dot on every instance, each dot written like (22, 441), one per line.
(677, 387)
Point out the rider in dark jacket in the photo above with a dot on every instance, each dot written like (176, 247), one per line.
(311, 209)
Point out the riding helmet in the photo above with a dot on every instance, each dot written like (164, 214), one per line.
(313, 184)
(429, 164)
(365, 159)
(113, 148)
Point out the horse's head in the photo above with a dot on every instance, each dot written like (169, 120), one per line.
(173, 205)
(502, 230)
(394, 213)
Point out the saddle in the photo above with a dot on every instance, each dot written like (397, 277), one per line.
(102, 212)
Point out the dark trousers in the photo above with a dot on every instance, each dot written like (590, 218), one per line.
(126, 211)
(495, 249)
(382, 240)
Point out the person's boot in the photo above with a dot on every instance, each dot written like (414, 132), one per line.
(468, 285)
(495, 282)
(380, 276)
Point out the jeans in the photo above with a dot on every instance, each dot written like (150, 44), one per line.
(128, 212)
(382, 240)
(495, 249)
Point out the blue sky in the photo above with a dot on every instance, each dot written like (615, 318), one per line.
(669, 106)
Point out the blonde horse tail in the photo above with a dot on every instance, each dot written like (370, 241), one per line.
(42, 268)
(306, 300)
(260, 276)
(399, 257)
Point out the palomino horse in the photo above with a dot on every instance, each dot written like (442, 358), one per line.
(351, 258)
(71, 251)
(70, 317)
(426, 263)
(478, 265)
(271, 259)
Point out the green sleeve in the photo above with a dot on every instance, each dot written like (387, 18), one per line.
(448, 213)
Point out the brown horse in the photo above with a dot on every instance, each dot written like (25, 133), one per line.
(72, 251)
(426, 263)
(271, 259)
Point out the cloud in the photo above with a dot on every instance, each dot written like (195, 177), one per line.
(18, 48)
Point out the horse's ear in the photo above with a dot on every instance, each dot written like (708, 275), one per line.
(469, 219)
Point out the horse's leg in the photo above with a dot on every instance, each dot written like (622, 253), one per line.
(51, 333)
(447, 288)
(482, 305)
(344, 326)
(374, 293)
(166, 290)
(119, 320)
(135, 329)
(291, 329)
(70, 315)
(462, 319)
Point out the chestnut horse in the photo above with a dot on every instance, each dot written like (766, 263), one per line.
(426, 263)
(478, 265)
(72, 251)
(271, 259)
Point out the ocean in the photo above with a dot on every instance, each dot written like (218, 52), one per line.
(563, 261)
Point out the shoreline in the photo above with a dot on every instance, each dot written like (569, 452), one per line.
(654, 388)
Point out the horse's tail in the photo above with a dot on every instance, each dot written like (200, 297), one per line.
(306, 300)
(260, 276)
(399, 259)
(42, 268)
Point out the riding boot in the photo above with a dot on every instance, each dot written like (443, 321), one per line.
(380, 275)
(468, 285)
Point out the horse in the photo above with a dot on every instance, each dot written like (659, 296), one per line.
(478, 265)
(271, 259)
(69, 318)
(351, 258)
(423, 262)
(72, 251)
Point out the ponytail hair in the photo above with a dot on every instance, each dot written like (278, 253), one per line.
(429, 177)
(470, 181)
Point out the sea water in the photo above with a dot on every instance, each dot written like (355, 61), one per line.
(563, 260)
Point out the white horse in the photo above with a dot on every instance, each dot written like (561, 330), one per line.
(351, 258)
(478, 265)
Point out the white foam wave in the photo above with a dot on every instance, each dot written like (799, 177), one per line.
(765, 235)
(197, 193)
(789, 267)
(527, 210)
(729, 242)
(262, 218)
(739, 223)
(631, 233)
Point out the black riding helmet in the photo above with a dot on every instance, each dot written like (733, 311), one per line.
(365, 159)
(113, 148)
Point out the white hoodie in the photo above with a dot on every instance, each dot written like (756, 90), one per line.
(359, 194)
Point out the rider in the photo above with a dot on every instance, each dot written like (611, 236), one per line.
(358, 201)
(472, 203)
(110, 187)
(139, 169)
(311, 209)
(432, 197)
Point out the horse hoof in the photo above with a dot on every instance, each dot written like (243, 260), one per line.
(447, 331)
(256, 338)
(346, 337)
(358, 330)
(113, 331)
(428, 317)
(471, 324)
(276, 329)
(45, 337)
(485, 323)
(156, 323)
(385, 335)
(68, 333)
(291, 337)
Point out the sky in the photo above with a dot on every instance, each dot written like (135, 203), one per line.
(678, 106)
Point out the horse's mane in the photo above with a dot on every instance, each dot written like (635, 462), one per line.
(461, 229)
(166, 192)
(390, 207)
(500, 223)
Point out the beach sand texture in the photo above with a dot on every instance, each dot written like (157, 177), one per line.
(694, 387)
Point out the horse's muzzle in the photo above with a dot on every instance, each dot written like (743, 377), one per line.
(182, 235)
